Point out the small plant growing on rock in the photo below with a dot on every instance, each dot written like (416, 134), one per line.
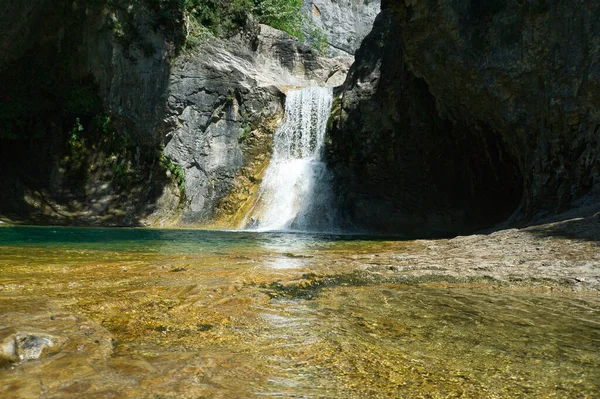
(174, 171)
(244, 133)
(317, 40)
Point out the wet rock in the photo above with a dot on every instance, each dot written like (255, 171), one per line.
(400, 166)
(18, 346)
(300, 59)
(31, 346)
(8, 347)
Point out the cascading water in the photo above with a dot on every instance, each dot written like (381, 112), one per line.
(296, 190)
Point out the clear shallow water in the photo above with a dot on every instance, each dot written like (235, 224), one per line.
(185, 313)
(167, 240)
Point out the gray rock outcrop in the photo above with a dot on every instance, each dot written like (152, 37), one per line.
(222, 92)
(343, 23)
(204, 106)
(461, 115)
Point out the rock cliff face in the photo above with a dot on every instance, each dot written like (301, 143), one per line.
(17, 22)
(222, 102)
(458, 115)
(67, 66)
(344, 23)
(205, 107)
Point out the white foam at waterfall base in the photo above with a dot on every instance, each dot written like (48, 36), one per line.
(296, 191)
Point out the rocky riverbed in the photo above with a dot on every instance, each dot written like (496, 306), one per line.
(184, 313)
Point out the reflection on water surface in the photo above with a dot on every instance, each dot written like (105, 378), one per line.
(184, 313)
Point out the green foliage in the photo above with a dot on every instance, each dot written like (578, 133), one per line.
(223, 17)
(196, 33)
(336, 113)
(220, 17)
(285, 15)
(75, 133)
(102, 123)
(244, 133)
(77, 152)
(119, 166)
(318, 40)
(176, 172)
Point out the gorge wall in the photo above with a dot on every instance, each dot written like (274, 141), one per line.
(127, 124)
(80, 126)
(225, 100)
(343, 24)
(458, 115)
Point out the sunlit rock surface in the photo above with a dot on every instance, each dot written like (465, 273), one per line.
(222, 97)
(343, 23)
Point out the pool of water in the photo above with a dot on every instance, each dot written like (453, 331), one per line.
(138, 313)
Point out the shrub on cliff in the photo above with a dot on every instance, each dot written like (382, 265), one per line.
(285, 15)
(222, 17)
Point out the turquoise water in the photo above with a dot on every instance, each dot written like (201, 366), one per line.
(168, 240)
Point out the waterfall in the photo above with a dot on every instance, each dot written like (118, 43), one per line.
(296, 190)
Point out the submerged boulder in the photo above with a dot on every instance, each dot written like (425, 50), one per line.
(18, 346)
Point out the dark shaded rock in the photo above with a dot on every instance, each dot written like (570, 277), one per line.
(401, 166)
(531, 71)
(17, 21)
(464, 114)
(68, 64)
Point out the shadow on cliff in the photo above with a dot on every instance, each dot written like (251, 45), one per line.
(81, 113)
(402, 163)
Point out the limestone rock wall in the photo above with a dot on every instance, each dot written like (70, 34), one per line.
(222, 96)
(344, 23)
(205, 107)
(458, 115)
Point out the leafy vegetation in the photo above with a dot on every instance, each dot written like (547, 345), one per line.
(223, 17)
(336, 112)
(244, 133)
(176, 172)
(318, 40)
(285, 15)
